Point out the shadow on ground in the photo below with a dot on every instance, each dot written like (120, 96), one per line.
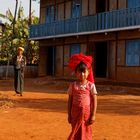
(106, 105)
(47, 85)
(119, 106)
(53, 105)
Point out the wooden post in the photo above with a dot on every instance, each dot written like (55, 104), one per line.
(14, 20)
(30, 10)
(13, 36)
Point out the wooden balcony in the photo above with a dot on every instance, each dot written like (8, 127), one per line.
(116, 20)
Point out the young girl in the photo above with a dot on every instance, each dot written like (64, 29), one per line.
(82, 102)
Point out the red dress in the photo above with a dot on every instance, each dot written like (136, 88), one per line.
(80, 111)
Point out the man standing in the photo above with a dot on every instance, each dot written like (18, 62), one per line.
(19, 66)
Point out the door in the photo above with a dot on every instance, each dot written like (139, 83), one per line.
(76, 8)
(51, 60)
(101, 59)
(102, 6)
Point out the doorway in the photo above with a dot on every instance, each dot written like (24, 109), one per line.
(102, 6)
(101, 59)
(50, 60)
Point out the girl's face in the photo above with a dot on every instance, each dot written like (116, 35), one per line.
(82, 76)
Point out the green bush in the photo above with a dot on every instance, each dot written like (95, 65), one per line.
(4, 61)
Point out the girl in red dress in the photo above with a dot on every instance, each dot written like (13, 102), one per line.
(82, 102)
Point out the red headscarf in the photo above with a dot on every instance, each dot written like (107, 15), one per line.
(77, 58)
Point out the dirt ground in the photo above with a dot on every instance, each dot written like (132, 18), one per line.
(41, 114)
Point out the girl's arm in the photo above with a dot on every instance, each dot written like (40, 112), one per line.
(93, 107)
(69, 108)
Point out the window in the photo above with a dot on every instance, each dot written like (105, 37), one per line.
(69, 51)
(133, 53)
(133, 3)
(74, 49)
(76, 8)
(51, 13)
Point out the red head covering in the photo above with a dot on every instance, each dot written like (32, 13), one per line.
(77, 58)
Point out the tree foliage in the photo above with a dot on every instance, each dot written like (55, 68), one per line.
(10, 40)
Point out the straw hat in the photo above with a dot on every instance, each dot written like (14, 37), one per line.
(21, 48)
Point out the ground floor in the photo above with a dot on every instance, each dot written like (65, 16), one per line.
(116, 55)
(41, 114)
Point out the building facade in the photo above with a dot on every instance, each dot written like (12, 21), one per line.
(109, 30)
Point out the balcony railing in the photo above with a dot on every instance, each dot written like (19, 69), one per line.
(103, 21)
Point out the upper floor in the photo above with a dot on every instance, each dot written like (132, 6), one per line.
(59, 18)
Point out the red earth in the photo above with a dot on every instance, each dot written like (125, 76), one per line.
(41, 114)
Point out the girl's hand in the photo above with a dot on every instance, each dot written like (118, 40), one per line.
(91, 120)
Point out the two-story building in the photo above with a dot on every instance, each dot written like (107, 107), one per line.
(109, 30)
